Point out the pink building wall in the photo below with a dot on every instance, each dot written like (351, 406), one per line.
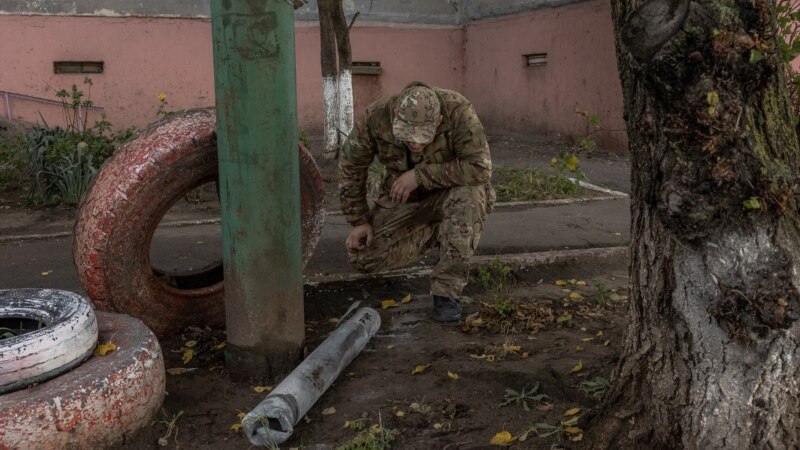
(581, 72)
(147, 56)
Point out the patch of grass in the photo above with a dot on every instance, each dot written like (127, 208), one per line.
(598, 387)
(517, 185)
(374, 437)
(523, 397)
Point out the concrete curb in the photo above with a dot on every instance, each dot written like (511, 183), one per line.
(514, 260)
(216, 220)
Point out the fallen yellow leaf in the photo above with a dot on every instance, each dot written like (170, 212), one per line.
(406, 299)
(420, 368)
(573, 430)
(571, 421)
(524, 355)
(386, 304)
(511, 348)
(104, 349)
(502, 438)
(572, 412)
(190, 344)
(576, 438)
(606, 343)
(328, 411)
(44, 274)
(573, 281)
(581, 283)
(400, 413)
(188, 355)
(452, 375)
(578, 367)
(333, 320)
(240, 415)
(599, 333)
(578, 348)
(236, 427)
(561, 283)
(261, 389)
(575, 296)
(490, 358)
(587, 339)
(219, 346)
(437, 426)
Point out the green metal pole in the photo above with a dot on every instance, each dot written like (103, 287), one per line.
(254, 73)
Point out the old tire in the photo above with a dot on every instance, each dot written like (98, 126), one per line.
(127, 200)
(67, 337)
(96, 405)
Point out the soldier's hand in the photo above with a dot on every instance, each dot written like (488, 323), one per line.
(404, 186)
(360, 237)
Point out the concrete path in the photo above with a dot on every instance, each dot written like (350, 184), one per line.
(509, 230)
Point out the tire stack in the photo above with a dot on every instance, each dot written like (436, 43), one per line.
(55, 394)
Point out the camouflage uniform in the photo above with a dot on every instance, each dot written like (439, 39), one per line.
(449, 206)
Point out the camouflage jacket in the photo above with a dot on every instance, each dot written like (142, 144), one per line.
(458, 156)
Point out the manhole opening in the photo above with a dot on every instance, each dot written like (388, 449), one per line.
(15, 326)
(186, 250)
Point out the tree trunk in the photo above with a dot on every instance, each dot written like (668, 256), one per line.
(344, 84)
(711, 357)
(337, 85)
(329, 88)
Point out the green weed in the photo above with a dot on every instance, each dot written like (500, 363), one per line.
(496, 276)
(374, 437)
(600, 293)
(598, 387)
(523, 397)
(172, 428)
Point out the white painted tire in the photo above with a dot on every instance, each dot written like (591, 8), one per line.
(68, 337)
(99, 404)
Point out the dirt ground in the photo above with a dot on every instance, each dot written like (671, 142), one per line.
(549, 337)
(525, 333)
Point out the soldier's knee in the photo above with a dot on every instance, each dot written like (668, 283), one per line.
(467, 199)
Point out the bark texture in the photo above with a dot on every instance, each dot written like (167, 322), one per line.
(711, 356)
(337, 84)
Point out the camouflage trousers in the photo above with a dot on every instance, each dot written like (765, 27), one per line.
(402, 233)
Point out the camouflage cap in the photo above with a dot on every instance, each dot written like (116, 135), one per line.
(417, 115)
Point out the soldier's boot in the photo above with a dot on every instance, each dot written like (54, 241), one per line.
(446, 309)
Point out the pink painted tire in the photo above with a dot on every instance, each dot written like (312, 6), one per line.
(67, 336)
(128, 198)
(96, 405)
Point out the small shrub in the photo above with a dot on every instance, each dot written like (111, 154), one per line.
(12, 163)
(62, 161)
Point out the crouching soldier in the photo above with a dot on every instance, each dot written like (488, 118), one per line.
(436, 190)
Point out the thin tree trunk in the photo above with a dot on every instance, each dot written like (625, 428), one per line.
(329, 81)
(345, 78)
(711, 356)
